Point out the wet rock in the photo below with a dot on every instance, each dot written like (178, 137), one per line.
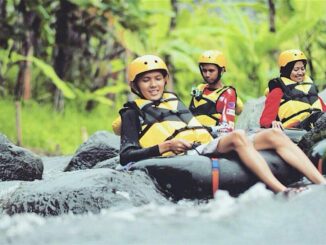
(319, 150)
(249, 118)
(99, 147)
(110, 163)
(80, 192)
(315, 135)
(4, 139)
(17, 163)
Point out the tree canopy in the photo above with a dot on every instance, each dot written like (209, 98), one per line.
(54, 50)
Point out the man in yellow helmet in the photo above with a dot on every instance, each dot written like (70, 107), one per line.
(214, 104)
(158, 124)
(292, 101)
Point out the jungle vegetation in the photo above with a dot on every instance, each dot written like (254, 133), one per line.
(63, 62)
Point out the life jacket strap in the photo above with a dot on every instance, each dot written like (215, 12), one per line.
(310, 110)
(177, 131)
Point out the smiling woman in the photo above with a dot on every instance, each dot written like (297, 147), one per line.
(151, 85)
(298, 72)
(293, 100)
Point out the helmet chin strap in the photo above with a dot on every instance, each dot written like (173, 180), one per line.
(218, 77)
(136, 91)
(216, 80)
(220, 69)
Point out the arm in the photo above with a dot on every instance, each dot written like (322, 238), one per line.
(130, 150)
(272, 105)
(226, 105)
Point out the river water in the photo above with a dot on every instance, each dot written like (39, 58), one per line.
(256, 217)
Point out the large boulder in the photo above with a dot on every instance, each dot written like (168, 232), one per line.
(249, 118)
(4, 139)
(80, 192)
(17, 163)
(101, 146)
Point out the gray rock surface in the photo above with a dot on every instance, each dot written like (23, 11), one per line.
(17, 163)
(99, 147)
(80, 192)
(249, 118)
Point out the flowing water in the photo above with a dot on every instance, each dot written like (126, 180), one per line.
(256, 217)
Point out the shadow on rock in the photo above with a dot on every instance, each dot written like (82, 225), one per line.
(99, 147)
(315, 135)
(17, 163)
(82, 191)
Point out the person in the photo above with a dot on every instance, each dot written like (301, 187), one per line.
(158, 124)
(292, 100)
(214, 104)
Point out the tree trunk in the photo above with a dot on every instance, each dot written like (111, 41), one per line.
(3, 23)
(167, 58)
(271, 16)
(3, 40)
(62, 50)
(23, 83)
(101, 81)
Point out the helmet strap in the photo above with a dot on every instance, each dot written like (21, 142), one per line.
(219, 69)
(136, 90)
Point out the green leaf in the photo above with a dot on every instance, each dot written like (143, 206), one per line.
(49, 72)
(112, 89)
(117, 65)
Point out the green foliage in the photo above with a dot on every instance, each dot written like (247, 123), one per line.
(50, 73)
(240, 30)
(105, 35)
(49, 132)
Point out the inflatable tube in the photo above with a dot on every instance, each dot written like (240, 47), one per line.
(193, 177)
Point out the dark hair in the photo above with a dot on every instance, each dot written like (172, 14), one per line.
(286, 70)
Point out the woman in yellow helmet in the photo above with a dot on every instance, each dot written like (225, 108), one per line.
(213, 103)
(159, 124)
(292, 101)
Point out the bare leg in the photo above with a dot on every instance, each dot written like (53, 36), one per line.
(238, 141)
(290, 152)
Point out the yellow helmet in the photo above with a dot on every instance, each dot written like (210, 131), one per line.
(213, 57)
(143, 64)
(289, 56)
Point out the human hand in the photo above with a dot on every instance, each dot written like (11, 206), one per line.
(277, 124)
(220, 129)
(177, 146)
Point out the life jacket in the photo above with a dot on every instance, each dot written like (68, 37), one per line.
(167, 119)
(298, 102)
(203, 106)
